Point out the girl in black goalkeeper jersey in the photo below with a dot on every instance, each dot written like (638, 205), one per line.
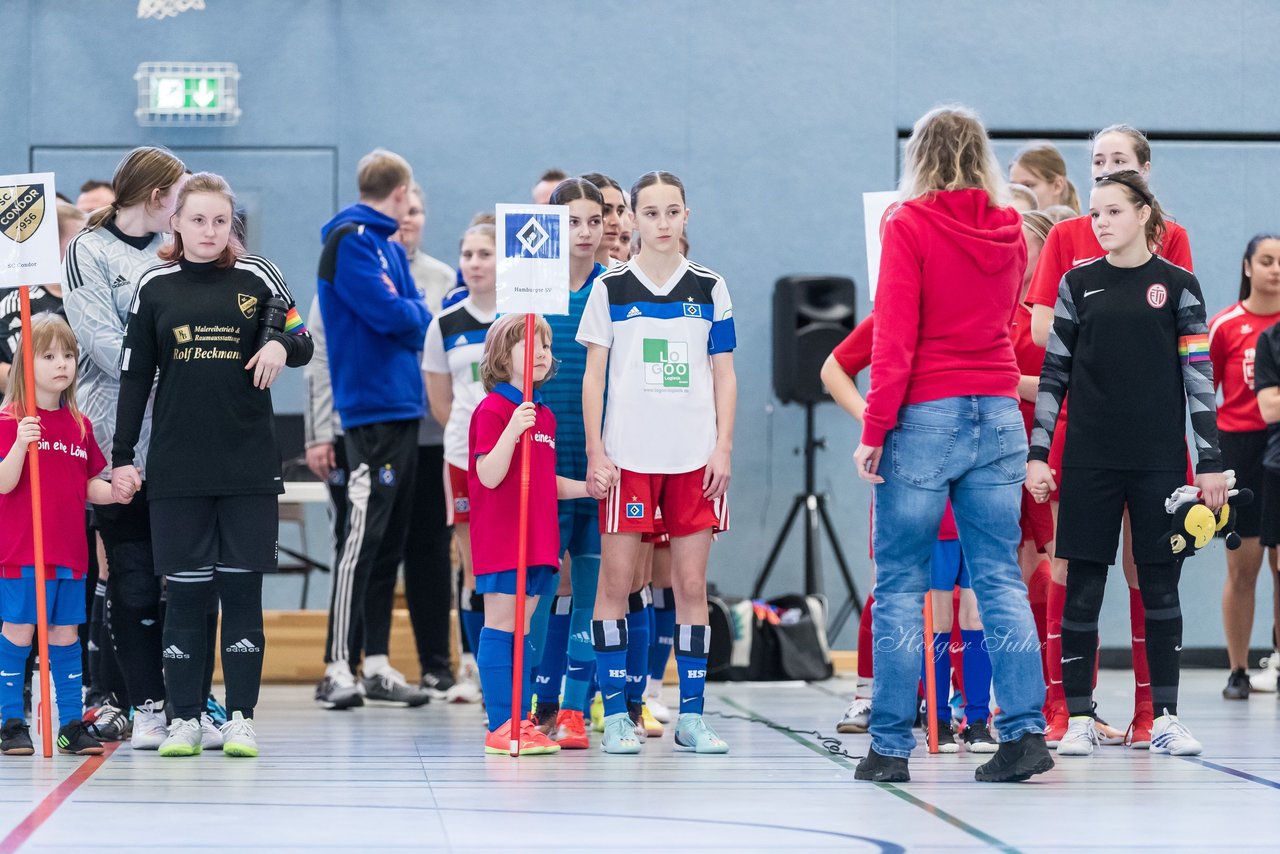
(1131, 344)
(213, 471)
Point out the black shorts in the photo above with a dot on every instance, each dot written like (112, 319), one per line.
(1269, 508)
(231, 530)
(1092, 507)
(1242, 452)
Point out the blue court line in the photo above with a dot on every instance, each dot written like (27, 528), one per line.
(1234, 772)
(932, 809)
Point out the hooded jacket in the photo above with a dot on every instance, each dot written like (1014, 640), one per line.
(375, 321)
(951, 269)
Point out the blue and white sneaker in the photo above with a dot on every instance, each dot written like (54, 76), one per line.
(619, 735)
(216, 711)
(695, 735)
(1168, 735)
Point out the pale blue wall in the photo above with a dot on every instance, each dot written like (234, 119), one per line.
(777, 115)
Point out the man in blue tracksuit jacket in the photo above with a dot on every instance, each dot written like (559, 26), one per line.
(375, 324)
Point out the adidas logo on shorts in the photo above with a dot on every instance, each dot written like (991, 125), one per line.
(243, 645)
(172, 651)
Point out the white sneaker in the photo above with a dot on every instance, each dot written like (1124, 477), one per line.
(239, 737)
(1081, 737)
(1168, 735)
(857, 718)
(1265, 679)
(210, 735)
(467, 688)
(653, 702)
(184, 738)
(149, 726)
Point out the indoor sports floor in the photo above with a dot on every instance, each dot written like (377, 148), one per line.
(415, 780)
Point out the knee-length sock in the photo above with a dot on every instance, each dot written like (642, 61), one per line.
(1141, 668)
(941, 672)
(495, 661)
(1159, 590)
(639, 625)
(1086, 583)
(693, 643)
(13, 660)
(977, 676)
(243, 640)
(555, 652)
(610, 642)
(664, 631)
(66, 671)
(471, 615)
(184, 640)
(1055, 698)
(579, 677)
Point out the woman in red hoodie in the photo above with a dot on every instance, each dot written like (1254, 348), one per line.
(941, 422)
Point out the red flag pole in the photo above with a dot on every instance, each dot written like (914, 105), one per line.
(930, 668)
(522, 549)
(29, 407)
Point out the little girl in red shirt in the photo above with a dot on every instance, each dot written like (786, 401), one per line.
(496, 427)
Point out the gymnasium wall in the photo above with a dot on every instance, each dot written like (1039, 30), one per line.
(777, 116)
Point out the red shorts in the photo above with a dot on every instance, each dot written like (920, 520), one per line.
(658, 537)
(457, 500)
(1037, 521)
(630, 507)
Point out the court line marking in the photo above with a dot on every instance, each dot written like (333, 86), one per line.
(44, 810)
(1235, 772)
(932, 809)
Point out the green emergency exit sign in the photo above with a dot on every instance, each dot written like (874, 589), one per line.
(180, 93)
(184, 93)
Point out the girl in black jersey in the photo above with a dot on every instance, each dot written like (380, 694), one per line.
(219, 326)
(1131, 344)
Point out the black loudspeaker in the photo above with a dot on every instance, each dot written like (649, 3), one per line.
(811, 315)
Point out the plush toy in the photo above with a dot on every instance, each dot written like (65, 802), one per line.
(1194, 524)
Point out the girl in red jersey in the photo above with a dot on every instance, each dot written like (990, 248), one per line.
(1070, 244)
(496, 426)
(1233, 339)
(71, 462)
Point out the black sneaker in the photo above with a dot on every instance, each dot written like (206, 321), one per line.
(74, 740)
(391, 687)
(946, 738)
(977, 738)
(15, 738)
(545, 717)
(110, 723)
(339, 693)
(1016, 761)
(1238, 686)
(437, 683)
(882, 769)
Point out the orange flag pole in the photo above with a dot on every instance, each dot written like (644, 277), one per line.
(930, 668)
(522, 550)
(37, 528)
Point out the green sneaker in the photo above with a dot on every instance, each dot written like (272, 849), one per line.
(694, 735)
(238, 738)
(185, 738)
(619, 735)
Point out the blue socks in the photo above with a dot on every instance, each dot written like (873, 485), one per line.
(639, 621)
(977, 676)
(495, 660)
(13, 664)
(471, 615)
(664, 630)
(610, 641)
(555, 652)
(693, 643)
(941, 672)
(580, 673)
(66, 671)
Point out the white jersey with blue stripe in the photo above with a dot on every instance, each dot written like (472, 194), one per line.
(455, 346)
(661, 412)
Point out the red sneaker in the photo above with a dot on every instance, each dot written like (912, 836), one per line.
(532, 742)
(1055, 728)
(1139, 734)
(571, 731)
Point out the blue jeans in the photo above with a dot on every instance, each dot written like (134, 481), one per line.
(973, 450)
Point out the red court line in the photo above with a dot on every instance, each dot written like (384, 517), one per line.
(44, 810)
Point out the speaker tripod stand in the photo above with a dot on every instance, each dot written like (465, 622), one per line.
(814, 506)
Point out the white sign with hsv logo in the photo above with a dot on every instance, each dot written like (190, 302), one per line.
(533, 259)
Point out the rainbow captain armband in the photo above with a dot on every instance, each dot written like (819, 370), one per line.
(1193, 348)
(293, 323)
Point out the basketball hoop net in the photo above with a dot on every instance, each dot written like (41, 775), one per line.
(160, 9)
